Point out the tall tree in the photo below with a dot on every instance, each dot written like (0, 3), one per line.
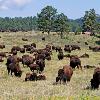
(45, 19)
(89, 21)
(61, 24)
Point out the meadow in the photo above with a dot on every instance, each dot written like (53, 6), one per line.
(14, 88)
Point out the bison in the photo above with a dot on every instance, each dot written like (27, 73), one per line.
(84, 56)
(95, 81)
(31, 77)
(64, 74)
(14, 68)
(60, 55)
(34, 67)
(2, 46)
(75, 61)
(24, 39)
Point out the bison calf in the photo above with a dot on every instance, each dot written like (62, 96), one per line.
(31, 77)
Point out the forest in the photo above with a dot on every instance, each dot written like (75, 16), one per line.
(50, 20)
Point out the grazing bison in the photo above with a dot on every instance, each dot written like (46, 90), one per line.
(48, 58)
(58, 49)
(95, 81)
(33, 45)
(34, 67)
(41, 64)
(41, 77)
(27, 60)
(31, 77)
(17, 48)
(14, 68)
(26, 46)
(34, 77)
(74, 47)
(95, 49)
(22, 50)
(1, 60)
(24, 39)
(53, 47)
(48, 46)
(43, 38)
(75, 61)
(68, 49)
(60, 55)
(64, 74)
(11, 59)
(14, 52)
(3, 54)
(86, 43)
(2, 46)
(84, 56)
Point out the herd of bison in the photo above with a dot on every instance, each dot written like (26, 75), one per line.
(36, 63)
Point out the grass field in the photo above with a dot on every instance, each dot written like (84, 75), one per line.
(13, 88)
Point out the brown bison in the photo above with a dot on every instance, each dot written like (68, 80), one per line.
(14, 52)
(95, 49)
(14, 68)
(64, 74)
(34, 77)
(75, 61)
(43, 38)
(53, 47)
(22, 50)
(2, 46)
(33, 45)
(95, 81)
(41, 64)
(74, 47)
(31, 77)
(27, 60)
(41, 77)
(2, 54)
(34, 67)
(24, 39)
(26, 46)
(58, 49)
(11, 59)
(17, 48)
(60, 55)
(1, 60)
(84, 56)
(67, 49)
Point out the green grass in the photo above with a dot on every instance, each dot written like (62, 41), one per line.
(12, 88)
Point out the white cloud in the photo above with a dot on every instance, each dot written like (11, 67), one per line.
(21, 2)
(8, 4)
(3, 7)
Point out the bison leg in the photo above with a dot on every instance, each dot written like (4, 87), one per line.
(8, 71)
(79, 66)
(11, 72)
(25, 79)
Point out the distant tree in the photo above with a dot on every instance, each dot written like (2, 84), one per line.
(98, 28)
(45, 19)
(89, 21)
(61, 24)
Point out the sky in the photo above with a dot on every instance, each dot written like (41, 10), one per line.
(73, 9)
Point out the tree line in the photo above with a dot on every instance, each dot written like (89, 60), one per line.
(49, 20)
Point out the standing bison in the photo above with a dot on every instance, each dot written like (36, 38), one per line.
(64, 74)
(75, 61)
(95, 81)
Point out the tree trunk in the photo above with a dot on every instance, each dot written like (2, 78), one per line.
(48, 32)
(61, 35)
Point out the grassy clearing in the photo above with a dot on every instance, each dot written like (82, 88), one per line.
(12, 88)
